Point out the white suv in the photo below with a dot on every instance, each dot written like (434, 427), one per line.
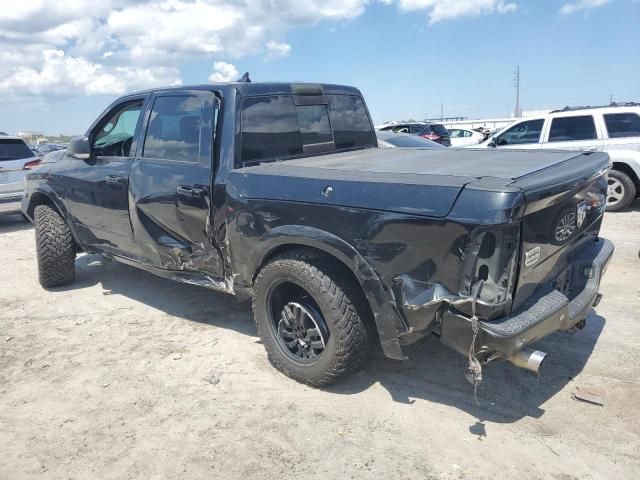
(614, 129)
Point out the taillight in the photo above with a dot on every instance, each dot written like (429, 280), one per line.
(431, 136)
(32, 164)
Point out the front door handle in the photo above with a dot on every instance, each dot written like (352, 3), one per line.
(115, 179)
(190, 191)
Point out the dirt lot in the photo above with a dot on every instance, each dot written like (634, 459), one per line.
(126, 375)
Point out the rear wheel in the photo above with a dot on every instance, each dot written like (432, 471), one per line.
(621, 191)
(54, 247)
(310, 318)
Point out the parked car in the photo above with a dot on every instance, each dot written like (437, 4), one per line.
(16, 159)
(431, 131)
(404, 140)
(53, 156)
(461, 137)
(339, 244)
(614, 129)
(45, 148)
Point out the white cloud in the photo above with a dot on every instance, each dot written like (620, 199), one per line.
(60, 75)
(50, 47)
(276, 49)
(572, 7)
(438, 10)
(127, 44)
(224, 72)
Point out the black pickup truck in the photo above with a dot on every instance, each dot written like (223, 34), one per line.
(278, 192)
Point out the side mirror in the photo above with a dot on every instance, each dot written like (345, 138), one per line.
(79, 148)
(492, 143)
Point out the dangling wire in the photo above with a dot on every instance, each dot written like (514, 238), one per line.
(474, 370)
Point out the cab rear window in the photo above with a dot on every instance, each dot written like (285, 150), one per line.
(275, 128)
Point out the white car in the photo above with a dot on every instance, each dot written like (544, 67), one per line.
(16, 159)
(614, 129)
(461, 137)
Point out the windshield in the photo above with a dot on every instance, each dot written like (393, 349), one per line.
(12, 149)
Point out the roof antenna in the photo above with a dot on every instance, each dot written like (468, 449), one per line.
(244, 79)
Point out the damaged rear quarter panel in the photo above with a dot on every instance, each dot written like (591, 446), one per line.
(409, 266)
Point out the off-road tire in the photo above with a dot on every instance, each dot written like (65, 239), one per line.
(341, 304)
(629, 191)
(54, 247)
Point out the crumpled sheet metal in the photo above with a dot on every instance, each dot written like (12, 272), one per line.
(417, 295)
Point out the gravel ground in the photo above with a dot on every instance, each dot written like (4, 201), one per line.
(127, 375)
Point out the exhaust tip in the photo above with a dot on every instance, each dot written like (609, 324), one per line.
(529, 359)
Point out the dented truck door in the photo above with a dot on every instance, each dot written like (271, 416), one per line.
(170, 183)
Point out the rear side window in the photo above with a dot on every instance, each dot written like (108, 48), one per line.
(620, 125)
(174, 129)
(350, 122)
(273, 127)
(13, 149)
(269, 128)
(566, 129)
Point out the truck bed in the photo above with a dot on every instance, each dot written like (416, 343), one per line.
(395, 179)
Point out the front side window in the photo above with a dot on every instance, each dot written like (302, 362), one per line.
(174, 129)
(620, 125)
(115, 134)
(566, 129)
(522, 133)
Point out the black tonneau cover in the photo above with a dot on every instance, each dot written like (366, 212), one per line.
(395, 179)
(506, 164)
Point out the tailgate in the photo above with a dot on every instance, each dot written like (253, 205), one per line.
(564, 208)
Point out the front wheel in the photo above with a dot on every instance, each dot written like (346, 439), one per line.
(311, 319)
(54, 248)
(621, 191)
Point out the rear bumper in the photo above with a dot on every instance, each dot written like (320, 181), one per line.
(539, 317)
(10, 203)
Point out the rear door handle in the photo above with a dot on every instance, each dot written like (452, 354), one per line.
(190, 191)
(114, 179)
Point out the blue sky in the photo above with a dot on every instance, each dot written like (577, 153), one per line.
(406, 56)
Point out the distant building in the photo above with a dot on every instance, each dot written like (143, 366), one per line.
(33, 138)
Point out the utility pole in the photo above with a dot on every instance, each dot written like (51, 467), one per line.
(517, 112)
(441, 111)
(611, 99)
